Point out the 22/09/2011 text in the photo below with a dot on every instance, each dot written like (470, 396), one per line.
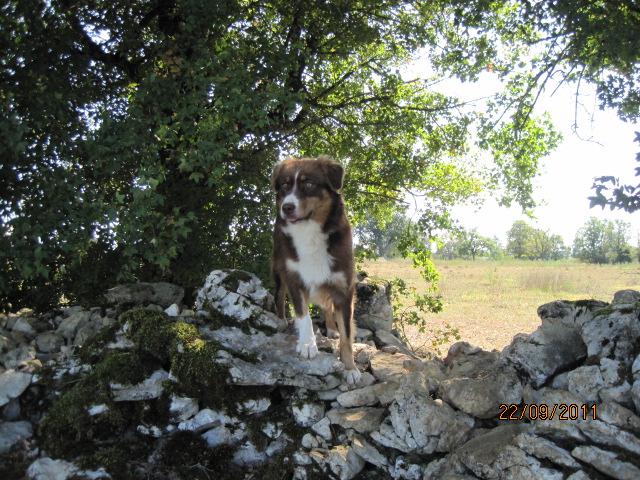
(547, 412)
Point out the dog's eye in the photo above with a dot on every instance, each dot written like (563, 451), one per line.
(308, 184)
(284, 186)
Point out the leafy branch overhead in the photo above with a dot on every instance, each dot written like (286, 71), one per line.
(625, 197)
(138, 137)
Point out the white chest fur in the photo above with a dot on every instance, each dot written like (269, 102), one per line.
(314, 262)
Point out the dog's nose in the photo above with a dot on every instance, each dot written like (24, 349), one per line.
(288, 208)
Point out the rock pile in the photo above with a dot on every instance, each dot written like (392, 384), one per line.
(163, 392)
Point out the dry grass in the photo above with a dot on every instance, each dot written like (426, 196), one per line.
(491, 301)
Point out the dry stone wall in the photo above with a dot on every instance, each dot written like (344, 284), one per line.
(160, 391)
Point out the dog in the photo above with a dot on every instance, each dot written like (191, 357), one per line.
(313, 253)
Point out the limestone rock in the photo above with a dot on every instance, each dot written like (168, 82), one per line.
(49, 342)
(612, 335)
(239, 295)
(629, 297)
(362, 420)
(140, 294)
(13, 432)
(542, 448)
(277, 362)
(617, 415)
(482, 396)
(344, 462)
(557, 405)
(70, 325)
(373, 310)
(420, 424)
(554, 346)
(182, 408)
(388, 367)
(145, 390)
(493, 455)
(48, 469)
(305, 411)
(367, 396)
(368, 452)
(12, 385)
(606, 462)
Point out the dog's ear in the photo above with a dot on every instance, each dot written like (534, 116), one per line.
(334, 171)
(274, 176)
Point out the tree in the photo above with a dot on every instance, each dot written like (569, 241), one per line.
(472, 245)
(138, 137)
(526, 242)
(381, 240)
(625, 197)
(603, 241)
(519, 239)
(578, 42)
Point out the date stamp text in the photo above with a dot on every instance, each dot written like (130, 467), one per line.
(548, 412)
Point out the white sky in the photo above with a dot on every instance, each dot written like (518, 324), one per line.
(567, 174)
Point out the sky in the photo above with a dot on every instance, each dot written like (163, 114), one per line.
(603, 145)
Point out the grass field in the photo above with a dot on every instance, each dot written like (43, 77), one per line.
(491, 301)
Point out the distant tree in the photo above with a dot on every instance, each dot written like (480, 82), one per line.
(519, 239)
(469, 244)
(603, 241)
(558, 249)
(527, 242)
(381, 239)
(449, 247)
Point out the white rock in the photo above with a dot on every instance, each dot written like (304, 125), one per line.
(309, 441)
(406, 470)
(49, 469)
(272, 430)
(248, 454)
(13, 432)
(173, 310)
(344, 462)
(607, 462)
(183, 408)
(23, 325)
(368, 452)
(97, 410)
(323, 428)
(255, 406)
(587, 382)
(12, 385)
(206, 419)
(308, 414)
(145, 390)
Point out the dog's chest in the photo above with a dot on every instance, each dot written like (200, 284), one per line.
(314, 264)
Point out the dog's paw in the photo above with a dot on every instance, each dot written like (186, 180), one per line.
(331, 333)
(352, 376)
(307, 350)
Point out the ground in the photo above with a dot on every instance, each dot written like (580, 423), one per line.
(491, 301)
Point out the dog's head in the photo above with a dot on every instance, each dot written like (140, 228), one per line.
(306, 187)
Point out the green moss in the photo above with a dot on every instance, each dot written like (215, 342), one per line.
(216, 319)
(233, 279)
(93, 348)
(68, 430)
(188, 455)
(198, 373)
(120, 367)
(117, 459)
(150, 331)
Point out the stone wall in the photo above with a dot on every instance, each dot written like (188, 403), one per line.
(218, 392)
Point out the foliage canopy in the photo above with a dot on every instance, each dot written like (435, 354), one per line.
(138, 137)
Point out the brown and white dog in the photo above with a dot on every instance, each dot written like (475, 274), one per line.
(313, 252)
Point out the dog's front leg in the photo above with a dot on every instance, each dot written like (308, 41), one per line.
(307, 347)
